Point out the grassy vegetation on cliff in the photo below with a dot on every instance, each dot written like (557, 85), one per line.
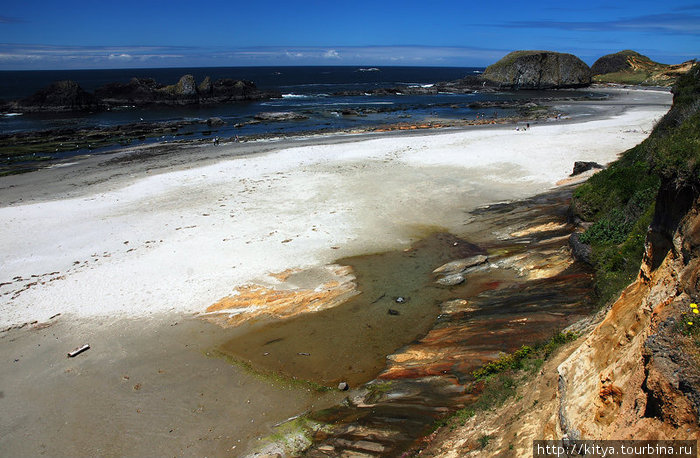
(620, 200)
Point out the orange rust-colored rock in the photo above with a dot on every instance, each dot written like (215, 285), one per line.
(255, 302)
(551, 226)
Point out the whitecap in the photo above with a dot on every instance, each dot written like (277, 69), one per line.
(295, 96)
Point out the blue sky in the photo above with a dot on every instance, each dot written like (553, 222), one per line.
(50, 34)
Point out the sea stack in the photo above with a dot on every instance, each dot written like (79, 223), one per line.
(538, 70)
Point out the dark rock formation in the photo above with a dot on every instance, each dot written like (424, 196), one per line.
(583, 166)
(579, 250)
(186, 92)
(186, 87)
(229, 90)
(465, 85)
(138, 91)
(538, 70)
(205, 88)
(280, 116)
(215, 121)
(59, 96)
(69, 96)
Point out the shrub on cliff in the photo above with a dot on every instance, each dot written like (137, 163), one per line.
(620, 200)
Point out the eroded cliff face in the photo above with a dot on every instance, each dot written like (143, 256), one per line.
(633, 375)
(636, 375)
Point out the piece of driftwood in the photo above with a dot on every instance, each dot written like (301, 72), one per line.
(78, 351)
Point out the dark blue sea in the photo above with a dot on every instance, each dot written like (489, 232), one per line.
(308, 90)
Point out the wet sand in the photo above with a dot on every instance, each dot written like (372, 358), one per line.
(144, 387)
(125, 245)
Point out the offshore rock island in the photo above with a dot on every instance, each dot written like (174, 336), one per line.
(538, 70)
(139, 92)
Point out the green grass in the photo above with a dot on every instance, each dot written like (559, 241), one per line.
(637, 78)
(484, 440)
(527, 357)
(513, 361)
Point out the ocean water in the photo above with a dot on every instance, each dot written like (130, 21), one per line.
(306, 90)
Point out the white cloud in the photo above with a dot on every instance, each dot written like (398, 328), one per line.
(331, 54)
(120, 57)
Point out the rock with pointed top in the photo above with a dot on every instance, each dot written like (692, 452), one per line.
(204, 88)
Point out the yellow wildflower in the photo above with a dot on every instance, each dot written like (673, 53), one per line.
(693, 306)
(695, 311)
(690, 323)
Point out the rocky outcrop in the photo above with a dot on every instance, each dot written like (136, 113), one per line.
(205, 87)
(584, 166)
(59, 96)
(280, 116)
(136, 91)
(69, 96)
(538, 70)
(186, 87)
(579, 250)
(186, 92)
(630, 67)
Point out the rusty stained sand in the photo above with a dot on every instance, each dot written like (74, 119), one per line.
(286, 300)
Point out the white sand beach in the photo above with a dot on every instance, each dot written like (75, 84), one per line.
(180, 240)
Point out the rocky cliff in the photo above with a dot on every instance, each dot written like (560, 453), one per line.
(69, 96)
(630, 67)
(538, 70)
